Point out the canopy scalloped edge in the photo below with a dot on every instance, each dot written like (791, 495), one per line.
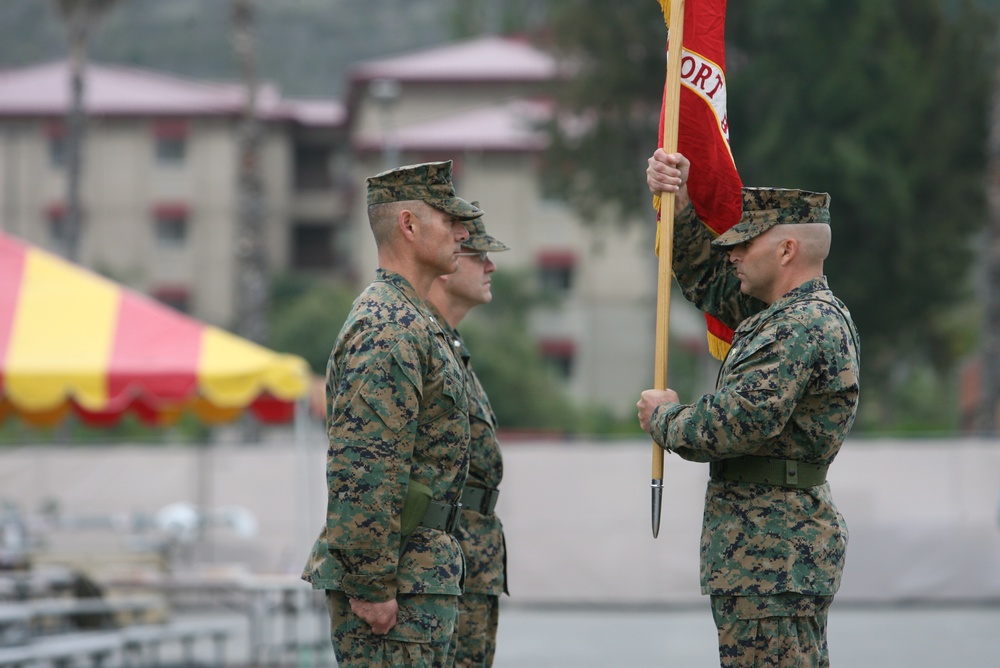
(265, 408)
(71, 340)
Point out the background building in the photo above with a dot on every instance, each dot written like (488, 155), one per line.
(480, 103)
(160, 178)
(160, 190)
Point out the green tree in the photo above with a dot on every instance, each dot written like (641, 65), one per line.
(475, 17)
(882, 104)
(885, 108)
(306, 315)
(608, 111)
(524, 391)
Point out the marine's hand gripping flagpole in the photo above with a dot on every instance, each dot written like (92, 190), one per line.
(665, 233)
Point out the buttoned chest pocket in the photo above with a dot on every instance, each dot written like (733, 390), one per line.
(479, 406)
(444, 390)
(443, 425)
(736, 354)
(748, 342)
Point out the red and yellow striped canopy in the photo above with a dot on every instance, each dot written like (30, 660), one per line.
(71, 340)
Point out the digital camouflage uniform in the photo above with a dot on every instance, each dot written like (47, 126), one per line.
(397, 419)
(481, 533)
(771, 555)
(481, 536)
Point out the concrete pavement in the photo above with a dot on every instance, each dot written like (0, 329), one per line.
(914, 636)
(884, 636)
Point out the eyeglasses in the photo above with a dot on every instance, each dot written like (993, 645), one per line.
(482, 255)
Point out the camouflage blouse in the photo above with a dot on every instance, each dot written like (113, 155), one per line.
(481, 536)
(397, 410)
(787, 389)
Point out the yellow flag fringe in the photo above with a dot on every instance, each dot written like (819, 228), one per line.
(717, 347)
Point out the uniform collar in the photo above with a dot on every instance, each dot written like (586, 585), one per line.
(810, 286)
(453, 336)
(397, 281)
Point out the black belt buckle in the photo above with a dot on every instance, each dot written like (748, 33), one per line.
(489, 501)
(454, 518)
(482, 500)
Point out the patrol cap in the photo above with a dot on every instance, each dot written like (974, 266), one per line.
(478, 239)
(429, 182)
(763, 208)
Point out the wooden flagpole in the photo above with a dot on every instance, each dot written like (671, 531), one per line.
(665, 236)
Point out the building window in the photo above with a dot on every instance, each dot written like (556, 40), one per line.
(171, 142)
(559, 353)
(555, 271)
(57, 152)
(56, 133)
(175, 296)
(55, 216)
(313, 168)
(313, 245)
(170, 223)
(170, 151)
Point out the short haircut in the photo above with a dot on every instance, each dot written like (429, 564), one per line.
(382, 218)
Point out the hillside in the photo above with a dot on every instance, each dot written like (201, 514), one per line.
(306, 46)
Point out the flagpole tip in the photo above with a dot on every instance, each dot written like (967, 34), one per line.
(657, 505)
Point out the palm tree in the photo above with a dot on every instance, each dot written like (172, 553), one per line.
(81, 18)
(253, 289)
(252, 280)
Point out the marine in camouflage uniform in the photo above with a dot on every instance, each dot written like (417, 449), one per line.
(398, 427)
(480, 533)
(773, 542)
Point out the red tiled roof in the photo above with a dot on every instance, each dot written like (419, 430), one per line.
(112, 90)
(316, 112)
(482, 59)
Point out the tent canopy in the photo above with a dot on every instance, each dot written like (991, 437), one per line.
(71, 340)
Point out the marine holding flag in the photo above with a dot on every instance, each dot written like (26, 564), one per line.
(773, 542)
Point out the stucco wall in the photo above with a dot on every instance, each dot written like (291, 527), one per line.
(922, 514)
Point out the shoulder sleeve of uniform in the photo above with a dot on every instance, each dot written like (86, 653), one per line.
(380, 367)
(408, 356)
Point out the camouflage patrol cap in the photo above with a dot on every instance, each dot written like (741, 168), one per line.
(763, 208)
(429, 182)
(478, 239)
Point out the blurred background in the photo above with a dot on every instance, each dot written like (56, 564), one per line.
(183, 229)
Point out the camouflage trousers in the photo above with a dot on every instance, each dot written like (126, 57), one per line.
(781, 631)
(422, 637)
(478, 615)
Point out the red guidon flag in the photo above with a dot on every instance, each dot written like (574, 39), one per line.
(703, 130)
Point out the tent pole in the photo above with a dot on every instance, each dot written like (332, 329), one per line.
(301, 427)
(203, 543)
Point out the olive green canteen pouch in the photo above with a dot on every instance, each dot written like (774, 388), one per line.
(418, 498)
